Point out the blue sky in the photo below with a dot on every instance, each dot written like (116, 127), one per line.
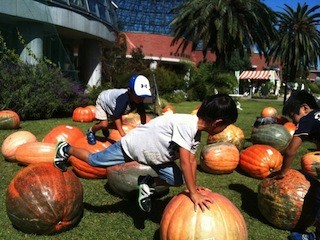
(278, 5)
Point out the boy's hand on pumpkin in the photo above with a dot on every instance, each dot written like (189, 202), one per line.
(201, 201)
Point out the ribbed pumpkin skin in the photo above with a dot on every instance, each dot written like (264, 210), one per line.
(13, 141)
(65, 133)
(35, 152)
(83, 169)
(41, 199)
(219, 158)
(311, 161)
(82, 114)
(222, 222)
(289, 203)
(231, 134)
(9, 120)
(275, 135)
(259, 161)
(123, 179)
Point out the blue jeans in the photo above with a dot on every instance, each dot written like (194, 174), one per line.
(114, 155)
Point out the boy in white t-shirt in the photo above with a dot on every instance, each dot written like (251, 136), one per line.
(111, 104)
(158, 144)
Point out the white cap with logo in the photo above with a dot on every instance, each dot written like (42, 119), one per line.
(140, 85)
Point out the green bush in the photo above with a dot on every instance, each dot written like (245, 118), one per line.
(37, 91)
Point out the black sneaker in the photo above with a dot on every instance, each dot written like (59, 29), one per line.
(145, 186)
(91, 138)
(105, 132)
(60, 161)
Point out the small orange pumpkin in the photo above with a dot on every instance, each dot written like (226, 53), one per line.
(63, 132)
(9, 120)
(83, 169)
(231, 134)
(310, 162)
(222, 221)
(13, 141)
(219, 158)
(291, 127)
(35, 152)
(82, 114)
(269, 112)
(259, 160)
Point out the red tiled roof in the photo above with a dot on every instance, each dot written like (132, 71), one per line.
(159, 46)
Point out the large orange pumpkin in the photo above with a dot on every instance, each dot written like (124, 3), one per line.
(259, 160)
(219, 158)
(232, 134)
(310, 162)
(9, 120)
(35, 152)
(93, 110)
(133, 119)
(65, 133)
(289, 203)
(269, 112)
(83, 169)
(41, 199)
(13, 141)
(223, 221)
(82, 114)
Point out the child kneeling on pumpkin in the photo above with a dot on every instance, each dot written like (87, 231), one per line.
(158, 144)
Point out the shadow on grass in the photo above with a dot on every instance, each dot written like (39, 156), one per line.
(130, 208)
(249, 201)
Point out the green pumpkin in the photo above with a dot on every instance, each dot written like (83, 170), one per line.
(274, 135)
(9, 120)
(123, 179)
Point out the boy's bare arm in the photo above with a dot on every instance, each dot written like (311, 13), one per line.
(188, 167)
(118, 123)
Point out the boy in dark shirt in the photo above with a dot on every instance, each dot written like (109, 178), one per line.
(302, 108)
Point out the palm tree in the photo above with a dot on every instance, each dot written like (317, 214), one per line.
(298, 42)
(223, 26)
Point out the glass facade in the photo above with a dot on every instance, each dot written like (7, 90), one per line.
(150, 16)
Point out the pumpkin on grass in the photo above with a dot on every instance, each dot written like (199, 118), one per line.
(83, 169)
(310, 162)
(219, 158)
(275, 135)
(35, 152)
(223, 221)
(9, 120)
(65, 133)
(232, 134)
(289, 203)
(259, 160)
(41, 199)
(82, 114)
(123, 179)
(13, 141)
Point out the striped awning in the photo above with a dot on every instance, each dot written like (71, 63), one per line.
(260, 75)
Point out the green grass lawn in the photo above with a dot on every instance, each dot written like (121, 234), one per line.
(109, 217)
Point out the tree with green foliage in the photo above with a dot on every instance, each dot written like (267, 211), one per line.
(298, 42)
(224, 26)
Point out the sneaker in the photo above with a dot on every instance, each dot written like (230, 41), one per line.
(145, 191)
(91, 138)
(60, 161)
(302, 236)
(105, 132)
